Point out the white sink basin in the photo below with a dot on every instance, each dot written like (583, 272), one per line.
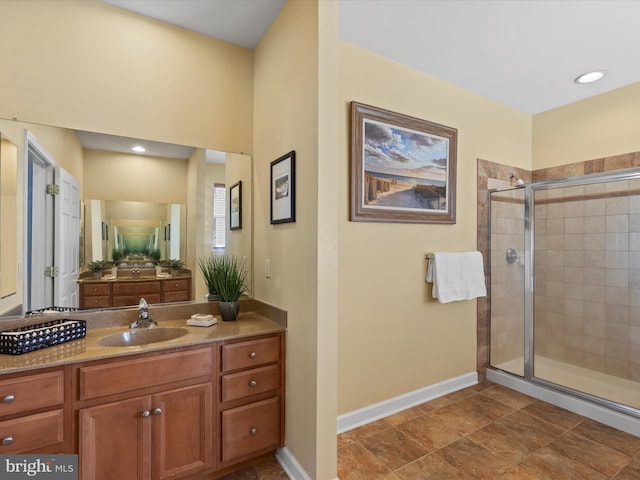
(142, 336)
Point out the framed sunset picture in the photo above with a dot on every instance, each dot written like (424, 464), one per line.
(403, 169)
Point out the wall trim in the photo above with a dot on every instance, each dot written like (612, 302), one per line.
(357, 418)
(290, 465)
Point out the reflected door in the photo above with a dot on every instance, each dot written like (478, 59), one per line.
(67, 239)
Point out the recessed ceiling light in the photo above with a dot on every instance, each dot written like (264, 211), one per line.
(590, 76)
(139, 149)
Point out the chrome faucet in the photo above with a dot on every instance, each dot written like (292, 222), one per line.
(143, 321)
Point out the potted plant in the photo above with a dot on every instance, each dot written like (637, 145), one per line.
(96, 267)
(230, 281)
(209, 267)
(155, 255)
(175, 265)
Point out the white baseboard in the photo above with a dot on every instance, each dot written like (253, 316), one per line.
(291, 466)
(369, 414)
(357, 418)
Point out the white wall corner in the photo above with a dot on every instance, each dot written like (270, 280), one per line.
(363, 416)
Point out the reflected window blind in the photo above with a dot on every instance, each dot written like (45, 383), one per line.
(219, 212)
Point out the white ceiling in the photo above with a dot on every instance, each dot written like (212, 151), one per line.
(241, 22)
(522, 53)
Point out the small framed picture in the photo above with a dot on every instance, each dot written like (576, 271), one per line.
(283, 191)
(235, 206)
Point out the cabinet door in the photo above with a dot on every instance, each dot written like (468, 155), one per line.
(182, 431)
(115, 441)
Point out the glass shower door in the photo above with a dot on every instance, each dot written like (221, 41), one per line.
(507, 320)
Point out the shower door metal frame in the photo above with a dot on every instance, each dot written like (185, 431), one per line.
(529, 283)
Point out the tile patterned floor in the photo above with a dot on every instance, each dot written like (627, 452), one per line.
(485, 432)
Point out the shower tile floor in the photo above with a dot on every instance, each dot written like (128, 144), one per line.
(483, 432)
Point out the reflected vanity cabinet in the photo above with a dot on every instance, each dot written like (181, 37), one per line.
(120, 293)
(251, 404)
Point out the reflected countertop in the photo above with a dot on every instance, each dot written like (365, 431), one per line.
(102, 324)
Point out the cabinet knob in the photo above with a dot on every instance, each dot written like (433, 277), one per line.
(7, 440)
(254, 431)
(253, 355)
(157, 411)
(146, 413)
(253, 383)
(8, 398)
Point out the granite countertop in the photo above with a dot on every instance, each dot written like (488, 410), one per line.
(130, 278)
(101, 324)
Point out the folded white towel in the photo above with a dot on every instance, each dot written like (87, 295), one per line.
(456, 276)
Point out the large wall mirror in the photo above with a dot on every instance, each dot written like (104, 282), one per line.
(161, 199)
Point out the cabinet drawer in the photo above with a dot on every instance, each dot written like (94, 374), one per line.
(176, 296)
(174, 285)
(95, 289)
(31, 432)
(126, 375)
(22, 394)
(125, 300)
(136, 288)
(250, 354)
(250, 429)
(90, 301)
(250, 382)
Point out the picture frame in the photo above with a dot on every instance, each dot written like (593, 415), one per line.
(402, 168)
(283, 189)
(235, 206)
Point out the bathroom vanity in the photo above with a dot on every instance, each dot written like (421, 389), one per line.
(208, 402)
(127, 290)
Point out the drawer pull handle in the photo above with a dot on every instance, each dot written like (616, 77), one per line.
(157, 411)
(253, 383)
(254, 431)
(146, 413)
(7, 440)
(253, 355)
(8, 398)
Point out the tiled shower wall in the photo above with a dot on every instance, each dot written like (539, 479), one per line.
(507, 279)
(491, 173)
(587, 265)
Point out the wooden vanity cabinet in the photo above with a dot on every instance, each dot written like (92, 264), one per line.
(32, 413)
(251, 403)
(129, 293)
(178, 290)
(95, 295)
(146, 418)
(122, 293)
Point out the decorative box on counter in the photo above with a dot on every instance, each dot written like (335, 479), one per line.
(51, 310)
(34, 337)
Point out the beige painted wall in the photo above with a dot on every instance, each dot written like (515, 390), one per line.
(135, 178)
(66, 151)
(392, 337)
(91, 66)
(286, 117)
(600, 126)
(238, 168)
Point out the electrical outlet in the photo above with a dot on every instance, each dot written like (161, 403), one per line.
(267, 268)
